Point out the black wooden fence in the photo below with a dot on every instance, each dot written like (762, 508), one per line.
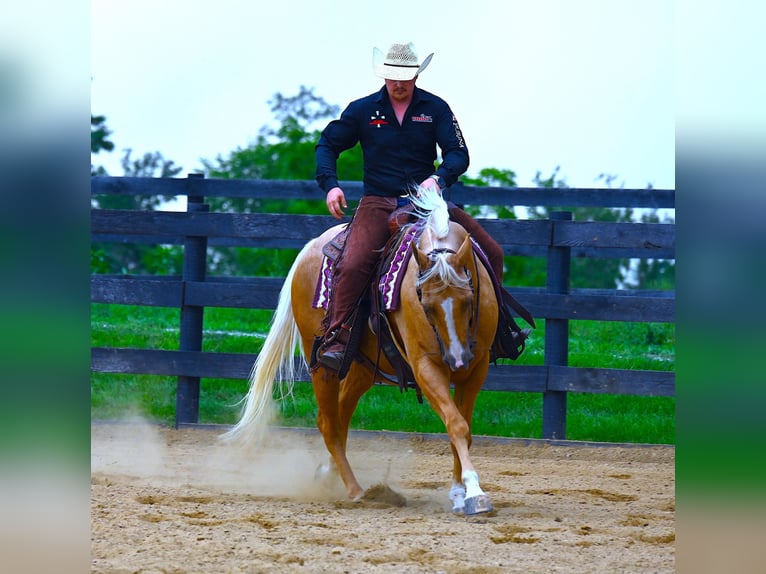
(558, 239)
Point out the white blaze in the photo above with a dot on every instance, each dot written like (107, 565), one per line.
(453, 344)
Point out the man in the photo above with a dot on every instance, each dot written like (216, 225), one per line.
(399, 129)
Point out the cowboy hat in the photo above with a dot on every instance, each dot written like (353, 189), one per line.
(400, 63)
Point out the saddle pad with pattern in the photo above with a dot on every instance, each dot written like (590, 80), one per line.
(391, 275)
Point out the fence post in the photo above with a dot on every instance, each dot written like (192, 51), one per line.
(195, 266)
(556, 334)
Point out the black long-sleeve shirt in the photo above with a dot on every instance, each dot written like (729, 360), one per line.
(395, 157)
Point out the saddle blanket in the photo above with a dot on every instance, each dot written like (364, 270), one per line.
(390, 279)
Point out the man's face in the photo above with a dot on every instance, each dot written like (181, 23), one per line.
(400, 90)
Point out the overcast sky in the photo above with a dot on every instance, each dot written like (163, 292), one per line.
(586, 85)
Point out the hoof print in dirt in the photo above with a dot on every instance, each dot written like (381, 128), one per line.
(383, 493)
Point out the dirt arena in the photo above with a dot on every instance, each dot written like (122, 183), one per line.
(178, 501)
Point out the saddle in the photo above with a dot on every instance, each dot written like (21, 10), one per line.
(371, 307)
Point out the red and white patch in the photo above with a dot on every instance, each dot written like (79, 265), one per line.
(378, 119)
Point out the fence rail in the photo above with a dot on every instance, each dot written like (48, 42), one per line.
(558, 239)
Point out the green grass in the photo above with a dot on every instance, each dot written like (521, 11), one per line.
(603, 418)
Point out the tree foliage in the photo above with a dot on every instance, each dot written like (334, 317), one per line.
(98, 134)
(132, 257)
(284, 152)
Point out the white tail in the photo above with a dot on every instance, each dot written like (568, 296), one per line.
(275, 363)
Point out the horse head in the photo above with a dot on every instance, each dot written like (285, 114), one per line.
(445, 286)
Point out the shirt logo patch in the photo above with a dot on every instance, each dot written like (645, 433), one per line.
(423, 118)
(378, 120)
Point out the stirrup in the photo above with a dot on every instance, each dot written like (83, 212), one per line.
(336, 359)
(332, 360)
(508, 344)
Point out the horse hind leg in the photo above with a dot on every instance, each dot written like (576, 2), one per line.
(457, 496)
(334, 430)
(351, 390)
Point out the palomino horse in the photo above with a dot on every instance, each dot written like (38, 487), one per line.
(444, 327)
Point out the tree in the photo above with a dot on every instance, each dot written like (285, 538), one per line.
(98, 142)
(282, 152)
(98, 134)
(492, 177)
(132, 258)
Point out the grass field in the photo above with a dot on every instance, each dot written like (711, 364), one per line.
(602, 418)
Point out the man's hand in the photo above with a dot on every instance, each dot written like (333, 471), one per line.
(431, 183)
(336, 202)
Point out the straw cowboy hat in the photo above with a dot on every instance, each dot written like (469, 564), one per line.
(400, 63)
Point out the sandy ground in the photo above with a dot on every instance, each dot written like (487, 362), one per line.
(179, 501)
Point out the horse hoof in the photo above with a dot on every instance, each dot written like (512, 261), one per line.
(458, 505)
(477, 505)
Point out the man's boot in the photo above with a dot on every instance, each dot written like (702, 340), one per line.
(333, 350)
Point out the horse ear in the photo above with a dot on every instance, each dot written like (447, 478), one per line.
(464, 254)
(420, 257)
(465, 248)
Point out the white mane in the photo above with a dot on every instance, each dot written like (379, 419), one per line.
(430, 204)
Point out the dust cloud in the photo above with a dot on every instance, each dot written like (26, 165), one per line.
(282, 464)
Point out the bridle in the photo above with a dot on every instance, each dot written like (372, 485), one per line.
(475, 290)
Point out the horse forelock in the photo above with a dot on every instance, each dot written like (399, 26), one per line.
(442, 252)
(431, 207)
(446, 273)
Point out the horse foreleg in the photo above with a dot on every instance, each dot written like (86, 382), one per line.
(334, 432)
(466, 493)
(465, 399)
(465, 480)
